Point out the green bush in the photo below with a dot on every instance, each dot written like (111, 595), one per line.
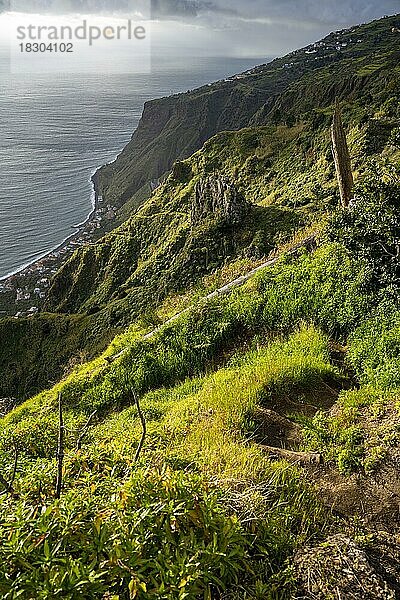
(370, 227)
(374, 348)
(165, 535)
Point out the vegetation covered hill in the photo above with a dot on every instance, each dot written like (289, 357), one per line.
(341, 65)
(280, 166)
(250, 444)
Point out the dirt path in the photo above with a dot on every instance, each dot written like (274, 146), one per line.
(223, 291)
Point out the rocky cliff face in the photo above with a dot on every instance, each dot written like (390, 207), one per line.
(282, 91)
(174, 128)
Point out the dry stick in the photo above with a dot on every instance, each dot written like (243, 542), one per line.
(14, 472)
(342, 159)
(143, 422)
(40, 491)
(60, 448)
(9, 487)
(298, 457)
(84, 430)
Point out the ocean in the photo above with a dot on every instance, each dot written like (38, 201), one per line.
(56, 130)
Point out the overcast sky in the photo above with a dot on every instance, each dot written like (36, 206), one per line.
(237, 27)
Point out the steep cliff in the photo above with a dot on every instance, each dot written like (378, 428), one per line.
(173, 128)
(283, 170)
(221, 204)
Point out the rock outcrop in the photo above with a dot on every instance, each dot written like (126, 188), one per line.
(7, 405)
(217, 196)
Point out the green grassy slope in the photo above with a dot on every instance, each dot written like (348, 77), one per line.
(203, 510)
(178, 503)
(271, 413)
(283, 171)
(161, 250)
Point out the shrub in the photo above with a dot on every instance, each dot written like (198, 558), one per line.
(374, 348)
(370, 228)
(165, 535)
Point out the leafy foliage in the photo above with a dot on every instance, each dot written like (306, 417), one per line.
(172, 526)
(374, 350)
(165, 535)
(370, 229)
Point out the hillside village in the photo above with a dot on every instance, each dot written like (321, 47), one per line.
(22, 295)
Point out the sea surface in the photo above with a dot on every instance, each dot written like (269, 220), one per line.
(56, 130)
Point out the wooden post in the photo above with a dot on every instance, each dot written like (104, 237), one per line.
(60, 448)
(341, 156)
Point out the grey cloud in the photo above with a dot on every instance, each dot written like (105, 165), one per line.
(160, 8)
(321, 11)
(177, 8)
(189, 8)
(314, 11)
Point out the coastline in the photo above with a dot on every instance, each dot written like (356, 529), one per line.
(23, 292)
(94, 198)
(96, 201)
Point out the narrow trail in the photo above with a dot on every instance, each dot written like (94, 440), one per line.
(223, 291)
